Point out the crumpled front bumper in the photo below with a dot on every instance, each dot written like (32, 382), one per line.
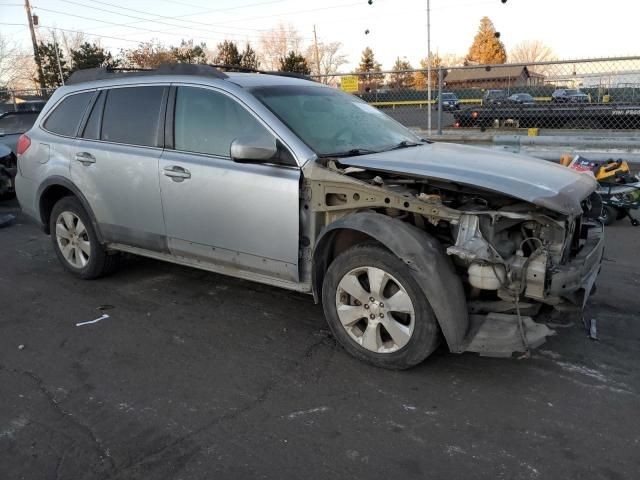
(575, 279)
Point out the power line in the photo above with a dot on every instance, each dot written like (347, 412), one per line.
(297, 12)
(206, 24)
(74, 31)
(121, 25)
(224, 9)
(143, 19)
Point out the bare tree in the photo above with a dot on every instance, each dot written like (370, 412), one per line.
(71, 41)
(17, 68)
(276, 44)
(147, 55)
(330, 59)
(531, 51)
(451, 60)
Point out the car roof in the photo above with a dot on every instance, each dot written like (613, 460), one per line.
(181, 73)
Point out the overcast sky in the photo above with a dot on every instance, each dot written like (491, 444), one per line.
(573, 28)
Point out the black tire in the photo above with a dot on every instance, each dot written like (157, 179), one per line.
(609, 214)
(426, 334)
(621, 213)
(100, 262)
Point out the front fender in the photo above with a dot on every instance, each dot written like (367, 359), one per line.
(423, 254)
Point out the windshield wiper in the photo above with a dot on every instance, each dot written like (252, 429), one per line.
(402, 144)
(354, 152)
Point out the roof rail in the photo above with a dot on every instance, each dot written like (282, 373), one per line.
(91, 74)
(236, 68)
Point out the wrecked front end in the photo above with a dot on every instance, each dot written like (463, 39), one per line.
(8, 169)
(516, 260)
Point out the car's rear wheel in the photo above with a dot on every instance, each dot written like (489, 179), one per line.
(609, 215)
(376, 309)
(75, 241)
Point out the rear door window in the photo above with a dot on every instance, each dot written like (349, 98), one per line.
(132, 115)
(66, 116)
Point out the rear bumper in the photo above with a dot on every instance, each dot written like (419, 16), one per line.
(575, 279)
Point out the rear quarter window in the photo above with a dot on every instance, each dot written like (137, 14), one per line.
(65, 117)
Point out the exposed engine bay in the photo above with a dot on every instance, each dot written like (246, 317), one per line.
(504, 249)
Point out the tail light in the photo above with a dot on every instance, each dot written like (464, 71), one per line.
(23, 144)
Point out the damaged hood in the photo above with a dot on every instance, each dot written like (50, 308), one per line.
(540, 182)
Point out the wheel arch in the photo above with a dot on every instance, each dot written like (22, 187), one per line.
(51, 191)
(423, 254)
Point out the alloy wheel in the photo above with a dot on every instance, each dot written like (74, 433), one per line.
(73, 239)
(375, 309)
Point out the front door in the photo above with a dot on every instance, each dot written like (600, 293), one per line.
(242, 217)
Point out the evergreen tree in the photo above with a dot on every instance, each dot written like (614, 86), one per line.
(486, 47)
(228, 54)
(369, 68)
(295, 63)
(401, 80)
(50, 68)
(90, 55)
(249, 58)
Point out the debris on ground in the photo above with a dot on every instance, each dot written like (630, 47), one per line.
(593, 329)
(103, 317)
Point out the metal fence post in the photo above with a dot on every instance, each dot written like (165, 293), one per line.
(440, 79)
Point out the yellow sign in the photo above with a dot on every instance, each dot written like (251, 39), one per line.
(349, 83)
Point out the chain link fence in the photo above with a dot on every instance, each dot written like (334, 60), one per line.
(28, 100)
(590, 94)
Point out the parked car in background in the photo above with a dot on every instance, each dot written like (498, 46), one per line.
(569, 95)
(450, 101)
(520, 99)
(12, 125)
(494, 97)
(298, 185)
(28, 106)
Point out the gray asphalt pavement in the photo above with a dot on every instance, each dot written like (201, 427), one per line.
(195, 375)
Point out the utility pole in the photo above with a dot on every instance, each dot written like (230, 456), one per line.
(55, 45)
(36, 56)
(429, 66)
(315, 45)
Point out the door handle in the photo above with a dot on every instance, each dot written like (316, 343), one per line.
(85, 158)
(176, 173)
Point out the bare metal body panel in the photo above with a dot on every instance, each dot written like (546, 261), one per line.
(530, 179)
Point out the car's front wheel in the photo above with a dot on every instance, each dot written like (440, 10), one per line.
(376, 310)
(75, 241)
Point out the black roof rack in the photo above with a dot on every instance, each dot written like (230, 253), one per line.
(235, 68)
(91, 74)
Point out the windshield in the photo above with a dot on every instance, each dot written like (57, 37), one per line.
(448, 96)
(332, 122)
(572, 92)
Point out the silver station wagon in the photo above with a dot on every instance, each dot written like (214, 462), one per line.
(295, 184)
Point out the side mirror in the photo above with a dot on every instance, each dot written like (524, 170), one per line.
(253, 149)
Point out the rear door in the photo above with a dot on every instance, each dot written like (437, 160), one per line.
(115, 164)
(238, 215)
